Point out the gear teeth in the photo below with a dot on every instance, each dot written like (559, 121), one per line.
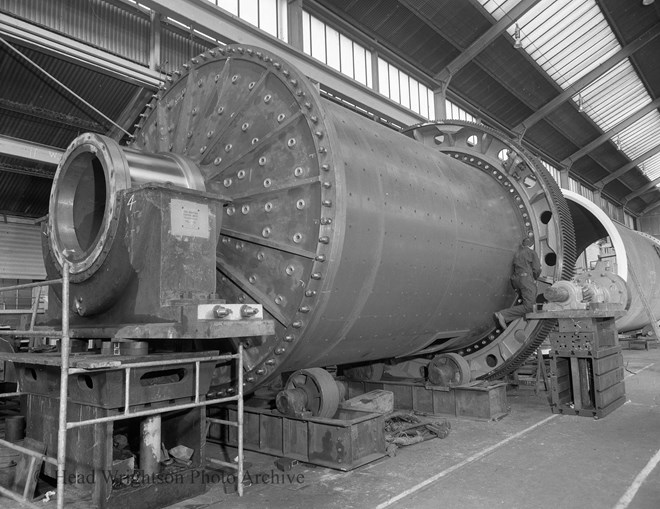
(569, 256)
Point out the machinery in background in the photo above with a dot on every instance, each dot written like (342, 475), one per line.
(586, 365)
(636, 260)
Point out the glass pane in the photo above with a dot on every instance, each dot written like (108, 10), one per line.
(307, 37)
(383, 77)
(359, 59)
(249, 11)
(229, 5)
(268, 16)
(346, 56)
(423, 101)
(431, 103)
(394, 83)
(332, 48)
(404, 86)
(318, 39)
(414, 95)
(282, 20)
(370, 72)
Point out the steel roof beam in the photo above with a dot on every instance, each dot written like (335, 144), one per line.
(627, 167)
(588, 78)
(648, 209)
(483, 41)
(213, 21)
(63, 119)
(26, 34)
(648, 187)
(639, 114)
(29, 151)
(30, 171)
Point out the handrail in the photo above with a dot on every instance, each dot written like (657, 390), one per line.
(61, 432)
(48, 282)
(65, 347)
(66, 371)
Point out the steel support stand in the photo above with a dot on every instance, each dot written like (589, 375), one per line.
(240, 420)
(64, 387)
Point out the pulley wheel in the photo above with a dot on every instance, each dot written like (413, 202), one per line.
(448, 369)
(319, 388)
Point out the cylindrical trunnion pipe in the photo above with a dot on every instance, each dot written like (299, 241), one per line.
(83, 203)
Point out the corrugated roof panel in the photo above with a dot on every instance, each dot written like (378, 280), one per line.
(557, 40)
(558, 51)
(569, 39)
(651, 167)
(498, 8)
(614, 96)
(641, 136)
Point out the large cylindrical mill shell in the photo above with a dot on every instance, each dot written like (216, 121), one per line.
(421, 248)
(362, 243)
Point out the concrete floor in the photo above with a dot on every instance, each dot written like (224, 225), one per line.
(531, 458)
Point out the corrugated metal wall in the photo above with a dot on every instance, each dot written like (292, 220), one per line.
(20, 252)
(120, 30)
(177, 47)
(112, 28)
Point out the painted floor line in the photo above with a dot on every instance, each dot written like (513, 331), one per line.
(628, 496)
(639, 370)
(457, 466)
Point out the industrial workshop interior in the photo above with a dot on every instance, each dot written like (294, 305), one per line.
(329, 253)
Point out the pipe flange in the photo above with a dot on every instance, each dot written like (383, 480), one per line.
(84, 209)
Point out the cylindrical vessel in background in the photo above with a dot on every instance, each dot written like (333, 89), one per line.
(637, 258)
